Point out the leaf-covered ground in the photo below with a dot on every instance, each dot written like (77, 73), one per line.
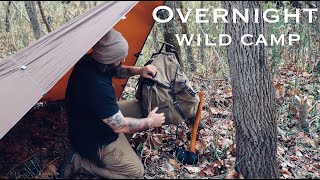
(34, 148)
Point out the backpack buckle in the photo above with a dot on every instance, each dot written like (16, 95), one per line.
(182, 84)
(192, 92)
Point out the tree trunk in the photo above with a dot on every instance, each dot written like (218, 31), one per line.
(154, 36)
(254, 105)
(44, 19)
(170, 31)
(317, 65)
(318, 6)
(202, 45)
(185, 30)
(8, 25)
(32, 13)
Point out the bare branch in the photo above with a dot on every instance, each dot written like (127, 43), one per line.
(44, 17)
(15, 5)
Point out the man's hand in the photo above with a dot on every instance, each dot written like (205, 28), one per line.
(148, 71)
(156, 119)
(121, 124)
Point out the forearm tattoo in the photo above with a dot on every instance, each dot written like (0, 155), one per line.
(123, 73)
(126, 125)
(137, 126)
(116, 121)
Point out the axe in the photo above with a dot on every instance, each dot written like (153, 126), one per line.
(191, 156)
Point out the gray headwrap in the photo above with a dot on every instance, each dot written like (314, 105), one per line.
(111, 48)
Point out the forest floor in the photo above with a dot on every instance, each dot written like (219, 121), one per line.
(35, 146)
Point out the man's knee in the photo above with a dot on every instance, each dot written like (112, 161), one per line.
(131, 108)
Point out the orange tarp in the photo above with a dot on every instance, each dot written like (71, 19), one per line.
(40, 71)
(135, 28)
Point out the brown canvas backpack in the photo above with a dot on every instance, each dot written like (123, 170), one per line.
(170, 89)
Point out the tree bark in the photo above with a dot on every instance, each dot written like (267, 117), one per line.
(8, 25)
(32, 13)
(185, 30)
(317, 65)
(254, 105)
(318, 6)
(202, 45)
(170, 31)
(44, 19)
(154, 36)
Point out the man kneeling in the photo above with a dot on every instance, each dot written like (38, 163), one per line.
(96, 123)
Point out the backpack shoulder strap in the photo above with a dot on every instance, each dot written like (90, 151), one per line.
(175, 101)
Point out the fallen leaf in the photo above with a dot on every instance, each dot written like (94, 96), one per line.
(240, 176)
(291, 165)
(193, 169)
(299, 154)
(317, 165)
(310, 168)
(286, 176)
(305, 74)
(224, 112)
(223, 132)
(166, 149)
(224, 142)
(167, 167)
(287, 163)
(228, 94)
(203, 132)
(233, 151)
(214, 110)
(281, 151)
(154, 153)
(130, 89)
(204, 163)
(174, 163)
(311, 142)
(293, 158)
(230, 175)
(234, 175)
(202, 174)
(285, 171)
(157, 139)
(154, 158)
(284, 164)
(278, 87)
(281, 132)
(200, 145)
(218, 163)
(209, 171)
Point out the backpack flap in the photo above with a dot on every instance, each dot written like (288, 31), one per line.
(170, 89)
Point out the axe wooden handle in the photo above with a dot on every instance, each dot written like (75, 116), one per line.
(194, 131)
